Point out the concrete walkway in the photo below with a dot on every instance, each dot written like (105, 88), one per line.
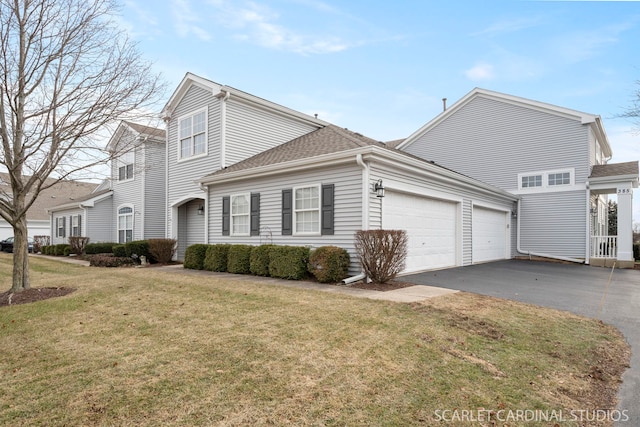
(406, 295)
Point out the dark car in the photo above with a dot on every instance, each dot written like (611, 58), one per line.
(6, 245)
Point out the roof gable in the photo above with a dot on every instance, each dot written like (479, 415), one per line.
(584, 118)
(145, 132)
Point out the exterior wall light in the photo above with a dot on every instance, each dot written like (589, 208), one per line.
(378, 188)
(201, 210)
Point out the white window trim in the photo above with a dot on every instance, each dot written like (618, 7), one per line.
(233, 215)
(124, 163)
(294, 211)
(545, 181)
(59, 226)
(206, 135)
(118, 229)
(75, 226)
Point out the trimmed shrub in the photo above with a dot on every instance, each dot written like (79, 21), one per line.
(78, 244)
(119, 251)
(138, 248)
(216, 258)
(107, 260)
(99, 248)
(382, 253)
(636, 251)
(288, 262)
(259, 260)
(194, 256)
(45, 249)
(239, 259)
(39, 242)
(67, 251)
(162, 250)
(329, 264)
(59, 249)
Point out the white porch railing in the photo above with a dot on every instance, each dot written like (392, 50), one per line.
(604, 246)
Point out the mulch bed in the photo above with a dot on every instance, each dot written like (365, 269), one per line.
(32, 295)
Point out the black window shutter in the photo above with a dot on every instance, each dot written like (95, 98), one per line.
(79, 225)
(327, 209)
(287, 212)
(226, 215)
(64, 226)
(57, 226)
(255, 214)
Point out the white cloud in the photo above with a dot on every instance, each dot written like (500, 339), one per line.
(258, 24)
(186, 21)
(508, 26)
(480, 71)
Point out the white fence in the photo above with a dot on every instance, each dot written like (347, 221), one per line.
(604, 246)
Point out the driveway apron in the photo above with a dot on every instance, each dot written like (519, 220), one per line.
(612, 296)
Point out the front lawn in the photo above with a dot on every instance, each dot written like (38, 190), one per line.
(143, 347)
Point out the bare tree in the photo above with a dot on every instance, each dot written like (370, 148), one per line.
(633, 112)
(66, 73)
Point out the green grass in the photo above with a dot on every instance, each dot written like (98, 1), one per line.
(141, 347)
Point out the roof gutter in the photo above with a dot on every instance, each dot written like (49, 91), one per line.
(539, 254)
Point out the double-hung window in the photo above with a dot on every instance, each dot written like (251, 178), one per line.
(60, 227)
(193, 134)
(240, 211)
(125, 166)
(75, 225)
(125, 224)
(306, 210)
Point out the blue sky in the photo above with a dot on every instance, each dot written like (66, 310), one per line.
(382, 68)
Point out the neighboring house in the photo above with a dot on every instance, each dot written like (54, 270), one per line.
(554, 159)
(322, 187)
(131, 204)
(210, 127)
(37, 218)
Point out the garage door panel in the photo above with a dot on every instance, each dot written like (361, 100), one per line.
(430, 226)
(489, 235)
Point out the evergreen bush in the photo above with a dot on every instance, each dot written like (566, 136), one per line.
(216, 258)
(329, 264)
(259, 260)
(194, 256)
(239, 259)
(288, 262)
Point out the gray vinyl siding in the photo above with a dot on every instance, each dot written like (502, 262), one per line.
(429, 187)
(66, 214)
(129, 193)
(251, 130)
(190, 227)
(181, 175)
(100, 224)
(554, 223)
(347, 208)
(494, 141)
(154, 191)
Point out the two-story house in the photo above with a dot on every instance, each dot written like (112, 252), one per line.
(210, 127)
(128, 206)
(553, 158)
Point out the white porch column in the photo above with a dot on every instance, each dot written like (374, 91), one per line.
(625, 223)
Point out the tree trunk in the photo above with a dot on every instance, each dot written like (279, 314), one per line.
(20, 256)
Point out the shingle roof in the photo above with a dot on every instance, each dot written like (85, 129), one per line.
(146, 130)
(327, 140)
(395, 143)
(614, 169)
(75, 201)
(61, 192)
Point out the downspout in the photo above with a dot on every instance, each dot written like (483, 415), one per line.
(530, 254)
(365, 211)
(205, 188)
(587, 255)
(223, 129)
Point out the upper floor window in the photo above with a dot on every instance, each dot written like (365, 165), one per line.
(125, 166)
(560, 178)
(192, 131)
(529, 181)
(240, 215)
(546, 180)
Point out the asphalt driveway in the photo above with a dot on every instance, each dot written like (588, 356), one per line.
(613, 297)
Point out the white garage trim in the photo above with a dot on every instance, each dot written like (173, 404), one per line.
(491, 237)
(433, 226)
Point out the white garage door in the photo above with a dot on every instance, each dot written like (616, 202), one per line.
(489, 235)
(430, 225)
